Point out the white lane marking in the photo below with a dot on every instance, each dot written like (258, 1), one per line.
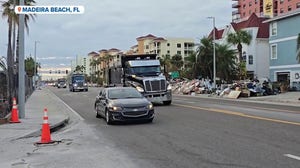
(292, 156)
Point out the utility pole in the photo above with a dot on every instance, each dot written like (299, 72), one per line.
(21, 96)
(214, 45)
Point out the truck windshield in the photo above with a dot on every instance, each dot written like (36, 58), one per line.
(146, 70)
(78, 78)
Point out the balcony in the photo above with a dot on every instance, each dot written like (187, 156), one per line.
(235, 12)
(236, 5)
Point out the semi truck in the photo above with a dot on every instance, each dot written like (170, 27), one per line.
(78, 83)
(142, 72)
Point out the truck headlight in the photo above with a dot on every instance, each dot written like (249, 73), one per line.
(85, 84)
(75, 84)
(140, 89)
(169, 87)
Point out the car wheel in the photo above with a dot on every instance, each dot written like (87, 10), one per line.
(97, 114)
(107, 118)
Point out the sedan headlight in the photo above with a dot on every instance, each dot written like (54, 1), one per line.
(140, 89)
(150, 106)
(115, 108)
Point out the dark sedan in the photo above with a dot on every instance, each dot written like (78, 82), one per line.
(123, 104)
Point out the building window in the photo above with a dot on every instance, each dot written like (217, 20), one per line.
(244, 56)
(298, 5)
(289, 8)
(147, 46)
(281, 1)
(250, 60)
(178, 45)
(250, 3)
(179, 52)
(255, 1)
(281, 10)
(274, 51)
(168, 52)
(273, 29)
(168, 44)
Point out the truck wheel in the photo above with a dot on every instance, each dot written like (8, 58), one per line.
(167, 102)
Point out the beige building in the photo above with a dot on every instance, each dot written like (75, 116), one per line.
(151, 44)
(52, 73)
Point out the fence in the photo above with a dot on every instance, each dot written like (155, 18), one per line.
(5, 103)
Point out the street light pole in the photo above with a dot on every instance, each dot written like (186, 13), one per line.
(21, 92)
(35, 43)
(214, 48)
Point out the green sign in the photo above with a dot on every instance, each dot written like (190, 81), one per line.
(174, 74)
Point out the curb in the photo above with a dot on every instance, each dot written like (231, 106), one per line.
(53, 128)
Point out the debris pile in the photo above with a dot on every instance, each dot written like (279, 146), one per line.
(237, 89)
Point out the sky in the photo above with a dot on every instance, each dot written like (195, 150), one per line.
(109, 24)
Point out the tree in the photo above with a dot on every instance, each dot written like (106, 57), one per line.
(177, 61)
(225, 58)
(12, 20)
(239, 38)
(165, 61)
(298, 48)
(29, 66)
(79, 68)
(204, 55)
(191, 64)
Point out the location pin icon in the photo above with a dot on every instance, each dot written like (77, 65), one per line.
(19, 9)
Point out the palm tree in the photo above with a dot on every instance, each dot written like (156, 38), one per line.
(79, 68)
(192, 65)
(177, 61)
(165, 61)
(12, 20)
(204, 55)
(226, 62)
(239, 38)
(298, 48)
(29, 66)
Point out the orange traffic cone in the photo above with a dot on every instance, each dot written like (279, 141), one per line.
(45, 136)
(14, 113)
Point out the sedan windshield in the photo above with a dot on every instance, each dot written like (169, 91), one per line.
(123, 93)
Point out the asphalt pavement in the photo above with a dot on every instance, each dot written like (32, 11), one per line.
(58, 111)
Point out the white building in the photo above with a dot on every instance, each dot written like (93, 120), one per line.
(256, 54)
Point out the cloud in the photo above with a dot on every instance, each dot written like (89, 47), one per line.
(116, 24)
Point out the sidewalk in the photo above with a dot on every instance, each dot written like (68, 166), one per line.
(34, 110)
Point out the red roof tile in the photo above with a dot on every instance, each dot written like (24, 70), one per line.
(148, 36)
(254, 21)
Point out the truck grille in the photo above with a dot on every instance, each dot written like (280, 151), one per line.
(155, 85)
(80, 84)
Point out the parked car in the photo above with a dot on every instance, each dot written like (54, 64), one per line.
(123, 104)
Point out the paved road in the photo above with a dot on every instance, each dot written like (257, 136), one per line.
(195, 132)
